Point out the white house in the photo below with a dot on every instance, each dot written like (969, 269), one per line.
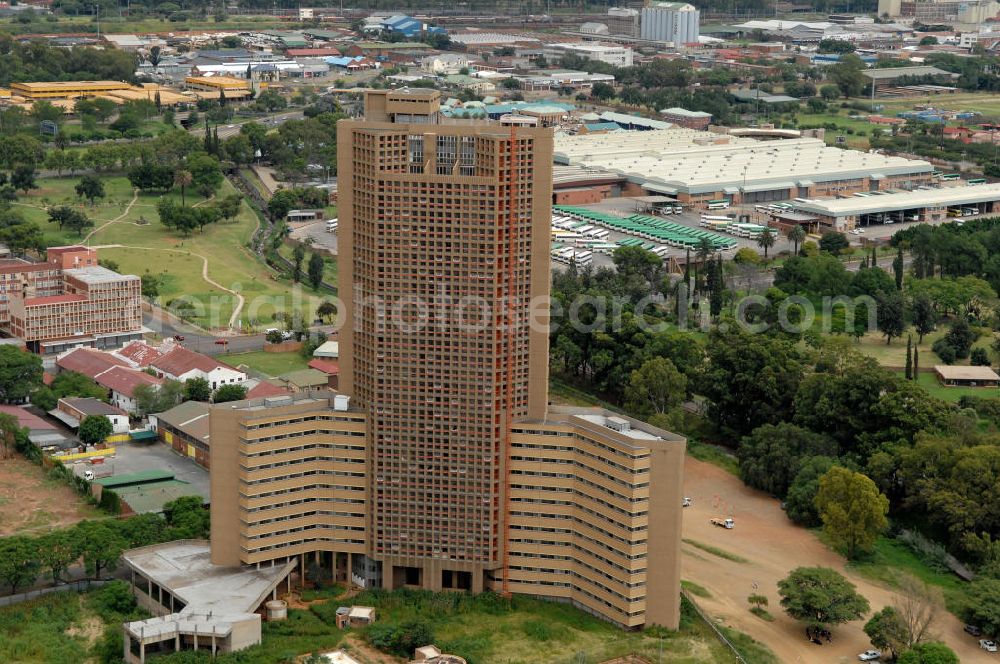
(181, 364)
(73, 410)
(444, 64)
(121, 383)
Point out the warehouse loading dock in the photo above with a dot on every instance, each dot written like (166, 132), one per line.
(926, 205)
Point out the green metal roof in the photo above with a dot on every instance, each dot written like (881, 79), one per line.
(141, 477)
(152, 497)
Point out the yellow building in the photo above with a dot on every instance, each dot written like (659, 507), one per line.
(232, 88)
(65, 89)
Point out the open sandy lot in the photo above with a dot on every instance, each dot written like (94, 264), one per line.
(773, 546)
(31, 502)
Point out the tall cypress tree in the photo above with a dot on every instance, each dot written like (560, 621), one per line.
(916, 362)
(897, 267)
(909, 357)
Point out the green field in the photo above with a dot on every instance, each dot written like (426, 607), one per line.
(329, 264)
(179, 261)
(890, 559)
(928, 381)
(894, 355)
(489, 630)
(271, 364)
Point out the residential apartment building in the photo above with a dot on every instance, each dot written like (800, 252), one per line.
(440, 465)
(43, 279)
(94, 307)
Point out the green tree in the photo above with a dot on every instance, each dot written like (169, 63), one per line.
(821, 597)
(772, 455)
(187, 518)
(796, 236)
(230, 392)
(326, 310)
(924, 316)
(71, 218)
(908, 368)
(206, 174)
(23, 178)
(19, 566)
(94, 429)
(90, 187)
(980, 607)
(182, 179)
(848, 75)
(229, 206)
(886, 631)
(750, 379)
(933, 652)
(801, 497)
(852, 510)
(197, 389)
(315, 269)
(58, 550)
(298, 255)
(101, 545)
(766, 240)
(890, 316)
(897, 268)
(20, 374)
(833, 242)
(655, 388)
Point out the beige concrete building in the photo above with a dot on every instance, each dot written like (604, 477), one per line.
(440, 465)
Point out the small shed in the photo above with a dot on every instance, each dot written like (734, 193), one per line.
(959, 376)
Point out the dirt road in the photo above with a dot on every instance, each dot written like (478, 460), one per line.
(773, 546)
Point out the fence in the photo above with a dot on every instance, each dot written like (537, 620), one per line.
(718, 633)
(82, 584)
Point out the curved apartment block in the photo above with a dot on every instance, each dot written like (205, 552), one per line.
(441, 465)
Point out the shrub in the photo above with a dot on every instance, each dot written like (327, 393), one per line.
(979, 357)
(944, 350)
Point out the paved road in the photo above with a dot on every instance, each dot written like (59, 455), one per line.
(233, 128)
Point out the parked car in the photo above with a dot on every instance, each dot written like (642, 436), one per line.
(973, 630)
(987, 645)
(869, 656)
(178, 337)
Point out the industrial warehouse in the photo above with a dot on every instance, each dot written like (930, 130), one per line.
(924, 204)
(699, 166)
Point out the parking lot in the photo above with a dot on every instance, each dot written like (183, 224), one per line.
(691, 218)
(155, 455)
(315, 233)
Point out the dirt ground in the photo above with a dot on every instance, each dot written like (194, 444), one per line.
(773, 546)
(29, 501)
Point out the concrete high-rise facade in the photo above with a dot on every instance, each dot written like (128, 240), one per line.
(676, 22)
(436, 250)
(441, 465)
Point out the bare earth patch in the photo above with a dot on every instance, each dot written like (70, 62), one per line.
(774, 546)
(31, 501)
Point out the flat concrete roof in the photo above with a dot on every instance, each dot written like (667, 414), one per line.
(185, 568)
(97, 274)
(907, 200)
(675, 159)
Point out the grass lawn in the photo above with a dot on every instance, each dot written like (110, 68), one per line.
(329, 265)
(272, 364)
(929, 381)
(894, 355)
(987, 104)
(489, 630)
(890, 559)
(177, 260)
(843, 122)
